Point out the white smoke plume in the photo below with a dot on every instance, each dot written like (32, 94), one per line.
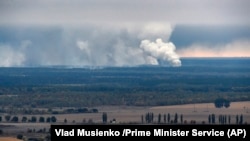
(161, 52)
(154, 30)
(83, 46)
(13, 57)
(87, 46)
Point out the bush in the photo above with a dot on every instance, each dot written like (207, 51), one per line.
(221, 102)
(19, 136)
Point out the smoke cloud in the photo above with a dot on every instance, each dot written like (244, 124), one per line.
(87, 46)
(161, 52)
(237, 48)
(10, 57)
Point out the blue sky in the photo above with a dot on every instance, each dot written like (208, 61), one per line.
(121, 33)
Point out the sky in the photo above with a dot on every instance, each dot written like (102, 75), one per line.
(121, 33)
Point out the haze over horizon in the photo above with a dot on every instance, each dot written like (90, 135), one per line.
(121, 33)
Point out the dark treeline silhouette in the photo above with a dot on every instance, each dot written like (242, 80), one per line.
(179, 119)
(221, 102)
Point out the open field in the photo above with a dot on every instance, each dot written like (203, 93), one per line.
(198, 112)
(132, 115)
(129, 115)
(8, 139)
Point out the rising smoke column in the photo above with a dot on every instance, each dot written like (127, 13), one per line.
(87, 45)
(161, 51)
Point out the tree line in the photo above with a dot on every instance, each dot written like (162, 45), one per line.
(150, 118)
(9, 118)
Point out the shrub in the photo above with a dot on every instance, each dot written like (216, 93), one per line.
(19, 136)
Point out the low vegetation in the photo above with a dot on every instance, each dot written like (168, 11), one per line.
(138, 86)
(41, 95)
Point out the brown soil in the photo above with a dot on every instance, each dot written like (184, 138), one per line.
(9, 139)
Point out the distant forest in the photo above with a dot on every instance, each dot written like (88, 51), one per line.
(133, 86)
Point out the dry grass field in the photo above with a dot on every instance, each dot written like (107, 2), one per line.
(9, 139)
(198, 112)
(125, 114)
